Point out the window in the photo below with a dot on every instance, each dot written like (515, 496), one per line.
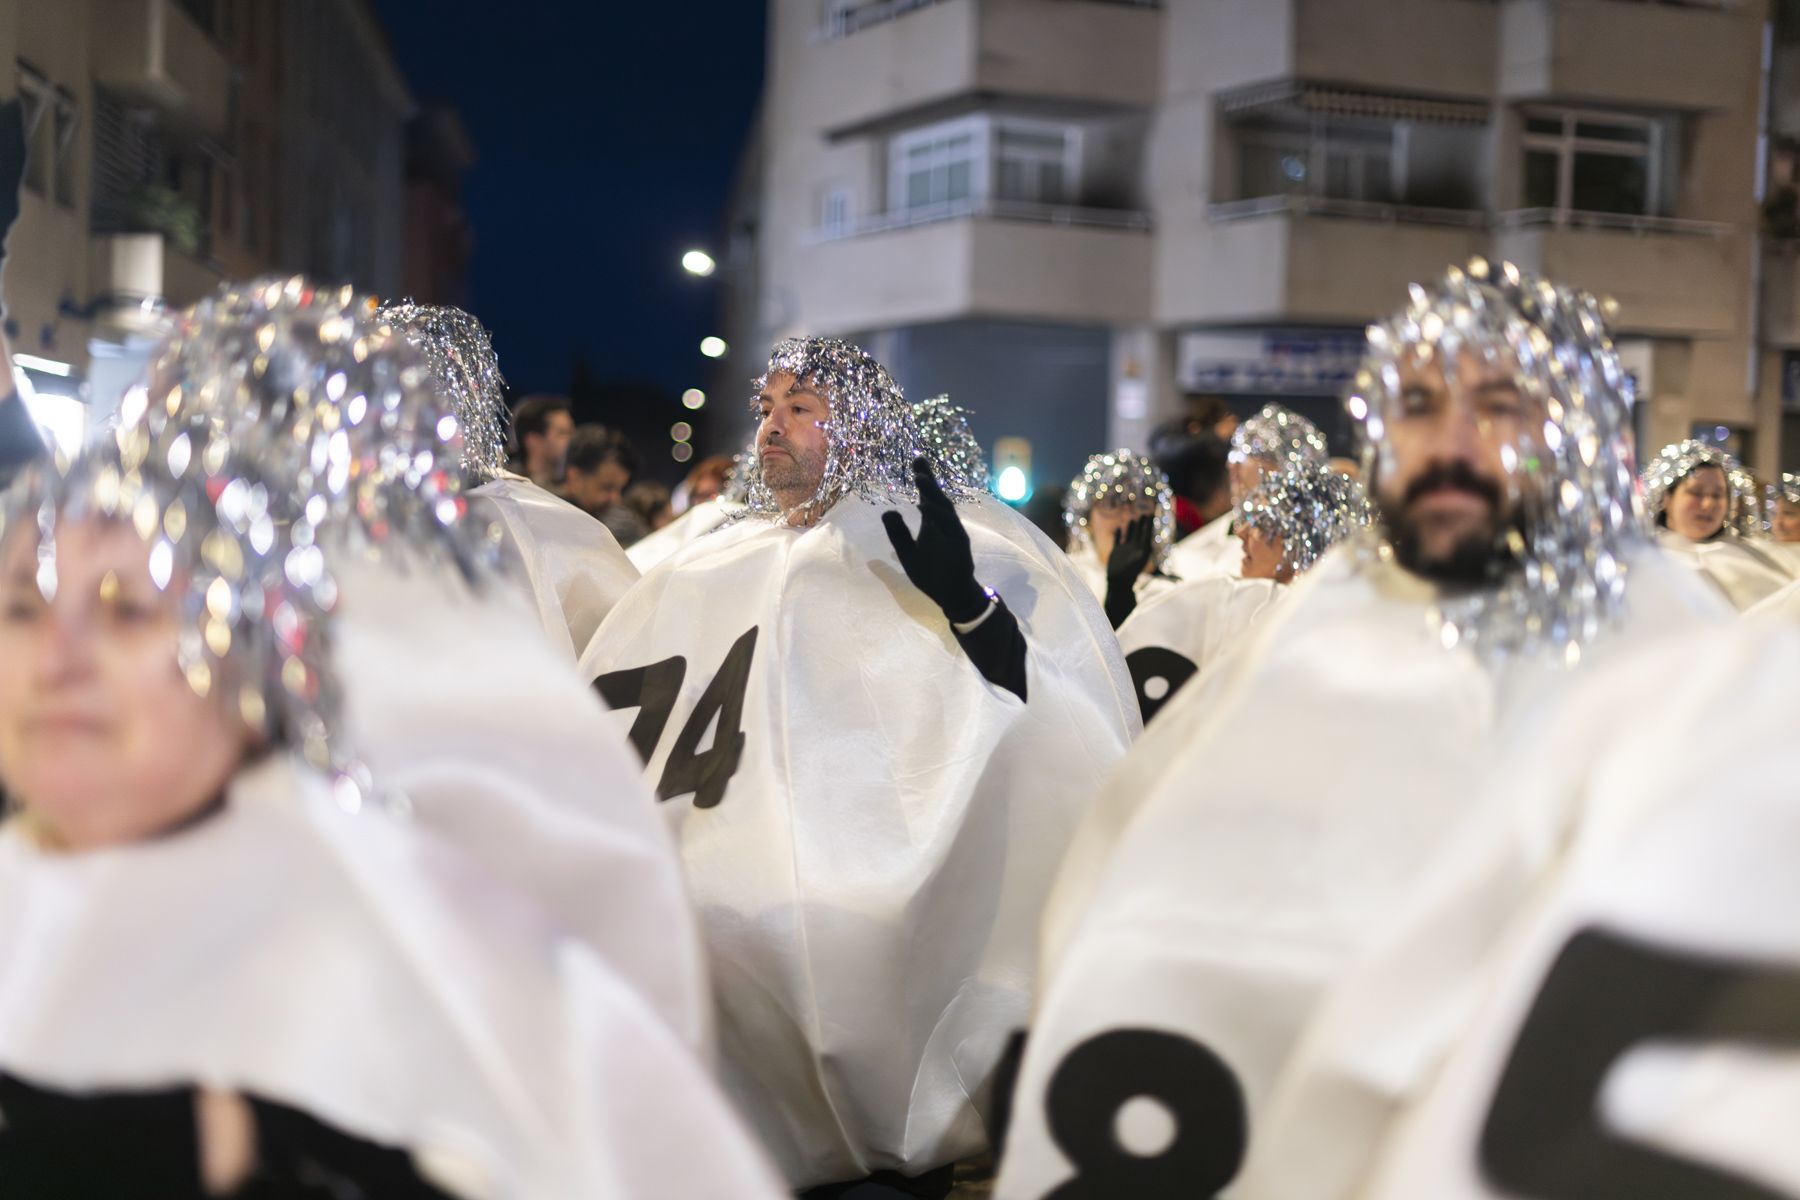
(835, 203)
(978, 158)
(1319, 157)
(1033, 162)
(1577, 161)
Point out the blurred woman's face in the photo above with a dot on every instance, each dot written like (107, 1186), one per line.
(1107, 520)
(101, 738)
(1696, 507)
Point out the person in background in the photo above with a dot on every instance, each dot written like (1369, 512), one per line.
(1196, 465)
(705, 482)
(1120, 514)
(601, 465)
(650, 500)
(1694, 494)
(542, 427)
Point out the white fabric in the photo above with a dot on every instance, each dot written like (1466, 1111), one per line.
(696, 522)
(456, 699)
(1688, 854)
(1271, 826)
(871, 878)
(359, 969)
(1209, 551)
(1092, 572)
(1744, 571)
(1200, 621)
(572, 563)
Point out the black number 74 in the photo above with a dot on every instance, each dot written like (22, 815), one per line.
(652, 690)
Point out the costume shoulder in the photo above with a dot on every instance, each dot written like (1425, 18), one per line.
(574, 566)
(440, 1013)
(1209, 550)
(457, 701)
(1179, 633)
(696, 522)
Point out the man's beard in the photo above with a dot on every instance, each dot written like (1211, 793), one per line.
(793, 474)
(1479, 558)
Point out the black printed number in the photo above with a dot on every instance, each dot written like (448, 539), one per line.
(1156, 670)
(1191, 1083)
(1606, 993)
(653, 691)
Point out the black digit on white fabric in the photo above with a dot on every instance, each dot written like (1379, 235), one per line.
(1157, 674)
(652, 690)
(705, 773)
(1100, 1076)
(1607, 994)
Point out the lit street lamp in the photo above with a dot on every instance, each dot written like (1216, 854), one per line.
(713, 347)
(698, 262)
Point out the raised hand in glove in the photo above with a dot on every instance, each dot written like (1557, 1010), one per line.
(1132, 549)
(940, 563)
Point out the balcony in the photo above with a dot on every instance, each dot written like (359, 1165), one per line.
(154, 52)
(1229, 44)
(136, 273)
(1672, 277)
(1655, 55)
(1781, 295)
(889, 62)
(978, 259)
(1306, 260)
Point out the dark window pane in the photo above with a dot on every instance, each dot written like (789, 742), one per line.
(1606, 132)
(1550, 125)
(1611, 183)
(1540, 178)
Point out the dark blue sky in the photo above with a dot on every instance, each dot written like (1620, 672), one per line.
(608, 136)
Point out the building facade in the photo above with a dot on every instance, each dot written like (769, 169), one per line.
(173, 144)
(1077, 216)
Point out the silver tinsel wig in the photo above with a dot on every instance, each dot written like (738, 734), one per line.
(1571, 471)
(1674, 463)
(467, 374)
(282, 424)
(1280, 437)
(956, 457)
(872, 434)
(1122, 476)
(1310, 507)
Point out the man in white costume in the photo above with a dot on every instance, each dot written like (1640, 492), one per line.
(1274, 824)
(573, 565)
(1120, 513)
(876, 741)
(239, 954)
(1697, 496)
(1272, 440)
(1286, 524)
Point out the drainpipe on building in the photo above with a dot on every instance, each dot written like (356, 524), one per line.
(1768, 448)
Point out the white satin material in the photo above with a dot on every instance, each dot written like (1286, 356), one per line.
(359, 969)
(870, 883)
(696, 522)
(1275, 821)
(1744, 571)
(1209, 551)
(1202, 620)
(572, 563)
(457, 700)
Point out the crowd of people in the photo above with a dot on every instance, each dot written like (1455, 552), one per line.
(405, 799)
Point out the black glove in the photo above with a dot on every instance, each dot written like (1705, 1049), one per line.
(939, 561)
(128, 1145)
(941, 564)
(1131, 554)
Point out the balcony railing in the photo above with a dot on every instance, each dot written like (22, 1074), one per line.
(1466, 218)
(854, 18)
(1361, 210)
(1562, 218)
(997, 210)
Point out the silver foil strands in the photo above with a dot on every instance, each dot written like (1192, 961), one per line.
(947, 441)
(1279, 436)
(1785, 490)
(282, 424)
(467, 374)
(1122, 476)
(1310, 507)
(1570, 472)
(1675, 462)
(871, 433)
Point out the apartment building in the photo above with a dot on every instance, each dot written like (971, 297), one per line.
(1078, 216)
(172, 144)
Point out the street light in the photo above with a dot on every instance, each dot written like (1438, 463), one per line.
(693, 398)
(713, 347)
(698, 262)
